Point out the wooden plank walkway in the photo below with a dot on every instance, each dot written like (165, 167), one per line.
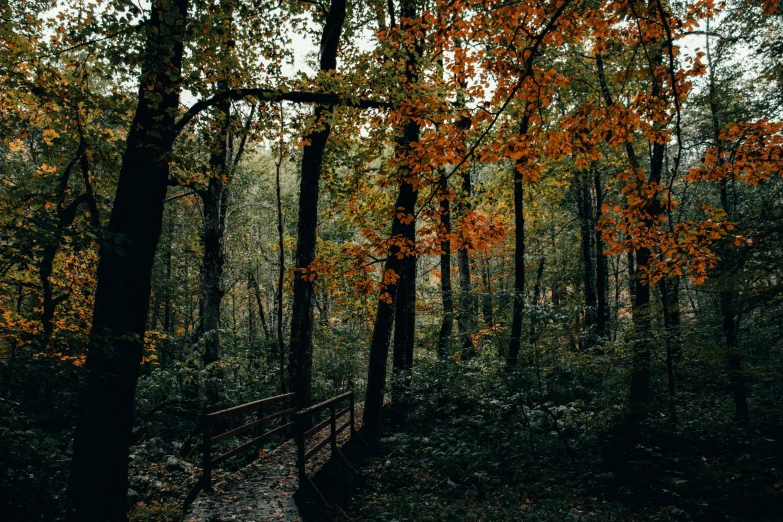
(262, 490)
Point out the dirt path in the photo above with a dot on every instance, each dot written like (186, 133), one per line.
(264, 489)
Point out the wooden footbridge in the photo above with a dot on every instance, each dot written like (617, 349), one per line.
(263, 489)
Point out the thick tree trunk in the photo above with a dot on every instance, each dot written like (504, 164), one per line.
(214, 254)
(736, 376)
(379, 344)
(447, 325)
(404, 314)
(402, 245)
(99, 473)
(405, 305)
(400, 332)
(300, 349)
(215, 201)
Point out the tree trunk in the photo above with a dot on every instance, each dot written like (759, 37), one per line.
(65, 218)
(167, 305)
(301, 345)
(251, 321)
(99, 473)
(260, 304)
(640, 372)
(731, 332)
(214, 256)
(405, 313)
(447, 325)
(587, 230)
(405, 304)
(467, 308)
(280, 263)
(486, 298)
(519, 257)
(536, 297)
(379, 344)
(730, 319)
(215, 200)
(400, 234)
(601, 267)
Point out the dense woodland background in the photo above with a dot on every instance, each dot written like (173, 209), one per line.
(547, 234)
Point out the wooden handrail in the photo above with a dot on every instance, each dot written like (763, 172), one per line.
(247, 427)
(323, 405)
(210, 419)
(250, 406)
(303, 433)
(227, 455)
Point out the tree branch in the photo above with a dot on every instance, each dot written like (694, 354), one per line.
(270, 95)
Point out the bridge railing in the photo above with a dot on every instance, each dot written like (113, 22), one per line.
(305, 432)
(210, 421)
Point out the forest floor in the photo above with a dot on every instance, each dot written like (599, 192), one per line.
(264, 489)
(432, 471)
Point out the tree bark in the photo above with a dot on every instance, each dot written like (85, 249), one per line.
(447, 325)
(467, 307)
(486, 297)
(167, 304)
(405, 304)
(213, 237)
(215, 201)
(280, 262)
(398, 253)
(671, 321)
(99, 473)
(736, 375)
(379, 344)
(601, 266)
(731, 333)
(260, 304)
(519, 257)
(640, 372)
(301, 345)
(251, 320)
(536, 297)
(584, 203)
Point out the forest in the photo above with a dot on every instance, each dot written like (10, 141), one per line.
(538, 244)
